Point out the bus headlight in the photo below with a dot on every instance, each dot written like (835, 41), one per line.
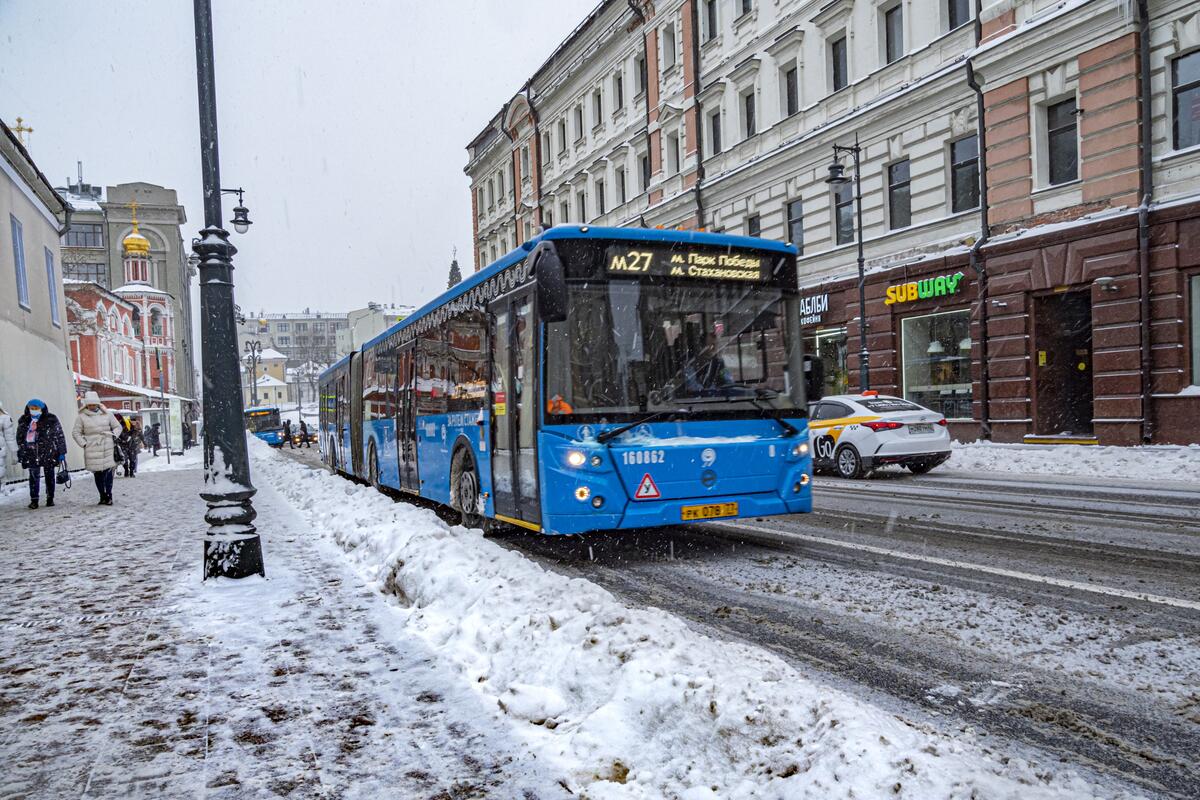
(575, 458)
(582, 493)
(800, 449)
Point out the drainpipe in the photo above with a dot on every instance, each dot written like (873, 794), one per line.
(977, 261)
(537, 142)
(512, 140)
(1146, 190)
(635, 6)
(699, 119)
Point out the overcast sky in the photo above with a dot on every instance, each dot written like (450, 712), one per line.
(346, 122)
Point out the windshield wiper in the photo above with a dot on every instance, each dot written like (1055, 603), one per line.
(613, 433)
(788, 428)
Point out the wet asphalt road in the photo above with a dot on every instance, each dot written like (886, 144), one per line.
(1054, 618)
(1062, 615)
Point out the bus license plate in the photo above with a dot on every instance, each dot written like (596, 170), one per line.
(710, 511)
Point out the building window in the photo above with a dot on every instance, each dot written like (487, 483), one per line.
(581, 201)
(748, 121)
(156, 322)
(936, 353)
(843, 212)
(286, 341)
(579, 122)
(84, 235)
(282, 326)
(899, 197)
(600, 197)
(18, 245)
(564, 211)
(500, 185)
(52, 283)
(302, 326)
(837, 62)
(747, 6)
(545, 154)
(491, 193)
(1194, 283)
(893, 33)
(795, 224)
(710, 20)
(1062, 142)
(618, 92)
(621, 195)
(562, 136)
(672, 153)
(668, 46)
(754, 226)
(479, 201)
(525, 162)
(1185, 99)
(958, 12)
(644, 161)
(639, 64)
(964, 174)
(87, 271)
(597, 108)
(791, 90)
(714, 133)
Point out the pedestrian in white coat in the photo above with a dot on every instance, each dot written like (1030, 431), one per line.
(8, 440)
(96, 429)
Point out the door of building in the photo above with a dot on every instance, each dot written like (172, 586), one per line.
(1063, 364)
(514, 409)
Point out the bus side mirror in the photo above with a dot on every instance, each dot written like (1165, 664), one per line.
(551, 283)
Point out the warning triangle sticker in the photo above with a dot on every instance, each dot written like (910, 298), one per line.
(646, 489)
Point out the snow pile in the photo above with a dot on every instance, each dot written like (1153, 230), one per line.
(1150, 463)
(631, 702)
(192, 458)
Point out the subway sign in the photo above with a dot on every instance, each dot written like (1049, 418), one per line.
(924, 289)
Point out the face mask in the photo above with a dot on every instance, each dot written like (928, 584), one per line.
(35, 413)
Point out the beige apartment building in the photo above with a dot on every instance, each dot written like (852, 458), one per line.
(1047, 151)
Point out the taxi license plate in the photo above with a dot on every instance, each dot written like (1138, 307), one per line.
(709, 511)
(920, 427)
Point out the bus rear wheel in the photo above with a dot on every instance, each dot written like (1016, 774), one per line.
(464, 489)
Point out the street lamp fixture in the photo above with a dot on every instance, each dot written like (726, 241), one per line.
(254, 351)
(837, 177)
(241, 214)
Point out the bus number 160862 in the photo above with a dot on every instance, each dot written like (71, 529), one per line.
(643, 457)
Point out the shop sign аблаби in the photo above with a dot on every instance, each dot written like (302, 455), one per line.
(924, 289)
(813, 308)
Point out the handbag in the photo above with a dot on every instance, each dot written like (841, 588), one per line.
(63, 477)
(118, 452)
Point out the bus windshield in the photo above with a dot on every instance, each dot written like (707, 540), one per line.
(263, 419)
(630, 347)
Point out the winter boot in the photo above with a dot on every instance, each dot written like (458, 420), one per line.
(33, 503)
(49, 502)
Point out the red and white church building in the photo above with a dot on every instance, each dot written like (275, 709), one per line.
(122, 341)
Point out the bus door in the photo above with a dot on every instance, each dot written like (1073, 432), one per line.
(406, 426)
(356, 415)
(514, 408)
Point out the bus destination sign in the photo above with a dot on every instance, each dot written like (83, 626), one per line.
(684, 263)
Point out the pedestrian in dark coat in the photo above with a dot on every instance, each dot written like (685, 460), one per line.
(154, 441)
(129, 444)
(304, 434)
(287, 433)
(40, 447)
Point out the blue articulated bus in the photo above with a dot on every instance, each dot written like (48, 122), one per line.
(263, 422)
(593, 379)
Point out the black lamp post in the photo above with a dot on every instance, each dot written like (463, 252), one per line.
(254, 351)
(232, 548)
(837, 177)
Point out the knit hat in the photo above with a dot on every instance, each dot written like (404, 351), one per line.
(36, 403)
(91, 399)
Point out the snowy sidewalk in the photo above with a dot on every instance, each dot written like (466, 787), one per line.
(122, 675)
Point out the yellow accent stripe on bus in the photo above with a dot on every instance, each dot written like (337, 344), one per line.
(520, 523)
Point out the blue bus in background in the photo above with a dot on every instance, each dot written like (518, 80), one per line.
(263, 422)
(592, 379)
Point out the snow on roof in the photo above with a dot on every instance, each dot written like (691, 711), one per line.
(140, 288)
(267, 354)
(129, 388)
(81, 203)
(269, 381)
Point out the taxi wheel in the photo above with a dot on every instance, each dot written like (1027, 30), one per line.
(848, 462)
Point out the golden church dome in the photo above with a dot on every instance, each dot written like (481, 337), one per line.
(136, 244)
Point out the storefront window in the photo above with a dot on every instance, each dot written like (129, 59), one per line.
(825, 354)
(1195, 304)
(937, 362)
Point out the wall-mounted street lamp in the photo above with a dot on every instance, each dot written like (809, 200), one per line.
(837, 177)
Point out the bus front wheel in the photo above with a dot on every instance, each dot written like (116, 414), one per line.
(464, 489)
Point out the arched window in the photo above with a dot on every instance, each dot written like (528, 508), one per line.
(156, 322)
(112, 321)
(137, 322)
